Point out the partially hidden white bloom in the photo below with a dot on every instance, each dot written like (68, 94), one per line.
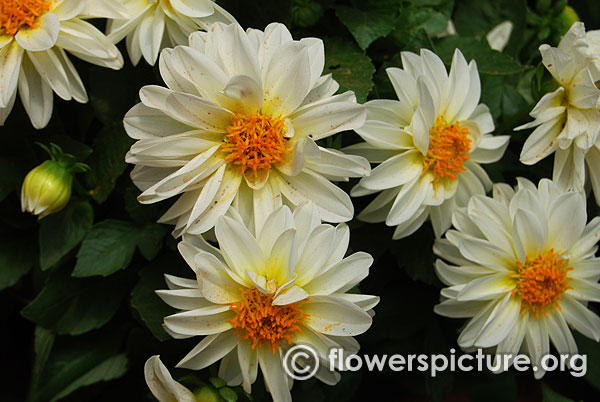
(238, 124)
(521, 265)
(430, 144)
(499, 36)
(567, 120)
(162, 385)
(150, 26)
(34, 38)
(259, 294)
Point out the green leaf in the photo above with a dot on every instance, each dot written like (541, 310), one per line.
(11, 177)
(366, 26)
(75, 306)
(350, 67)
(410, 256)
(150, 239)
(18, 255)
(151, 309)
(107, 162)
(109, 369)
(591, 350)
(228, 394)
(63, 231)
(489, 61)
(138, 212)
(42, 346)
(548, 395)
(78, 362)
(306, 13)
(412, 19)
(476, 18)
(217, 382)
(107, 248)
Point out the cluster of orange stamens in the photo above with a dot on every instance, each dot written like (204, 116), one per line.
(541, 282)
(15, 14)
(449, 146)
(255, 142)
(260, 322)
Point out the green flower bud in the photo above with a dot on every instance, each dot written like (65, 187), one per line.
(207, 394)
(567, 17)
(47, 187)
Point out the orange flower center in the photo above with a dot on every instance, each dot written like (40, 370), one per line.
(262, 323)
(541, 282)
(15, 14)
(255, 143)
(448, 148)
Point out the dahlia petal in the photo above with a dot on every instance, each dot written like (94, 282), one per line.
(193, 8)
(41, 38)
(350, 270)
(162, 385)
(333, 316)
(10, 63)
(333, 203)
(35, 94)
(275, 377)
(209, 350)
(398, 170)
(239, 247)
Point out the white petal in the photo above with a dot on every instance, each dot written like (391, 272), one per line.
(193, 8)
(582, 319)
(10, 64)
(209, 350)
(287, 80)
(333, 203)
(239, 247)
(162, 385)
(36, 95)
(329, 118)
(530, 235)
(197, 112)
(386, 136)
(49, 66)
(395, 171)
(42, 37)
(333, 316)
(566, 221)
(501, 325)
(201, 321)
(215, 283)
(350, 270)
(275, 377)
(487, 287)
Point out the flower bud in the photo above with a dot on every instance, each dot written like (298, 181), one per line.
(207, 394)
(46, 189)
(567, 17)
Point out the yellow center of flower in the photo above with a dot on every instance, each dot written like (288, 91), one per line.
(255, 142)
(15, 14)
(541, 282)
(262, 323)
(449, 145)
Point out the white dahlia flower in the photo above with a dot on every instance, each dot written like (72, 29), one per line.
(34, 38)
(238, 124)
(258, 295)
(150, 26)
(162, 385)
(522, 267)
(430, 144)
(567, 120)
